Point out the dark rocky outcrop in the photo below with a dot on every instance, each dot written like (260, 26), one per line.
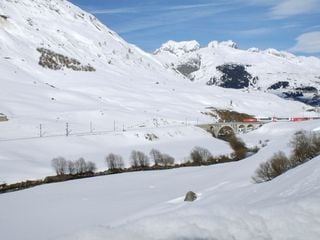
(56, 61)
(3, 118)
(280, 84)
(4, 17)
(307, 89)
(233, 76)
(190, 197)
(190, 66)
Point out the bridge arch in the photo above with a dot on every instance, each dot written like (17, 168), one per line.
(250, 127)
(242, 128)
(225, 131)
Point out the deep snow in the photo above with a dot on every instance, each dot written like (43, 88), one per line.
(133, 91)
(149, 205)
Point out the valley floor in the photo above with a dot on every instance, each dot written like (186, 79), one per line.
(149, 205)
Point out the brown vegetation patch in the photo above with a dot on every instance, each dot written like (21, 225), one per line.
(55, 61)
(224, 115)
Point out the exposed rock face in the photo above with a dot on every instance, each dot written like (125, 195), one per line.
(3, 118)
(190, 197)
(307, 89)
(191, 65)
(56, 61)
(233, 76)
(281, 84)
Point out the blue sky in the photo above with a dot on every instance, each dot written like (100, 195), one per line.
(292, 25)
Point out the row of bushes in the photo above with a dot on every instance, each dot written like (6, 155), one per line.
(305, 146)
(78, 167)
(140, 160)
(68, 170)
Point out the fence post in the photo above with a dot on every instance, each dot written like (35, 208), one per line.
(67, 129)
(40, 129)
(91, 128)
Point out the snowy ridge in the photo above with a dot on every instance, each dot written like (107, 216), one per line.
(179, 48)
(269, 66)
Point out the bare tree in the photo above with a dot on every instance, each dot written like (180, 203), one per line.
(277, 165)
(305, 147)
(90, 167)
(161, 159)
(200, 155)
(71, 167)
(80, 166)
(156, 156)
(167, 160)
(60, 165)
(114, 162)
(139, 159)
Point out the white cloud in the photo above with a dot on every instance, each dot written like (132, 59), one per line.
(307, 43)
(255, 31)
(115, 11)
(286, 8)
(156, 8)
(165, 15)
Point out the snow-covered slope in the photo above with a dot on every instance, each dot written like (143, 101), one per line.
(61, 65)
(149, 205)
(223, 64)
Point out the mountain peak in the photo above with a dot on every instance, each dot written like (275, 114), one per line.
(229, 43)
(179, 48)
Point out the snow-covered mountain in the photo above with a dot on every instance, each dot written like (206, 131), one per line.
(72, 87)
(223, 64)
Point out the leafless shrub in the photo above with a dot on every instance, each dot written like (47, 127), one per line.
(238, 146)
(114, 162)
(139, 159)
(305, 147)
(200, 155)
(271, 169)
(71, 167)
(60, 165)
(80, 166)
(161, 159)
(91, 167)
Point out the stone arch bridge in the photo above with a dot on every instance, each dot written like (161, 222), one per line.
(224, 128)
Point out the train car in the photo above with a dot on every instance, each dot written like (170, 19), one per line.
(277, 119)
(250, 120)
(300, 119)
(267, 119)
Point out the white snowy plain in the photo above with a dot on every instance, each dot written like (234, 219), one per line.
(136, 91)
(149, 205)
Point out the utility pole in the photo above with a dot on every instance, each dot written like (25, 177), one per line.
(40, 129)
(114, 125)
(91, 128)
(67, 129)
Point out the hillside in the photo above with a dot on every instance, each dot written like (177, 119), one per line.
(72, 87)
(78, 77)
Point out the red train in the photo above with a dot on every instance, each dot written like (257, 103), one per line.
(282, 119)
